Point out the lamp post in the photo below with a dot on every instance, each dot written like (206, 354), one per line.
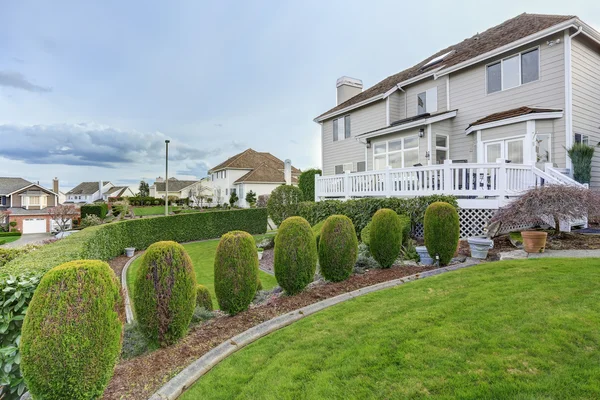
(167, 177)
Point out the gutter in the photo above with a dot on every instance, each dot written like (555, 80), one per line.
(569, 93)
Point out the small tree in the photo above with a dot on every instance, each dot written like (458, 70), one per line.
(251, 198)
(233, 198)
(199, 194)
(548, 204)
(218, 195)
(144, 189)
(306, 183)
(63, 215)
(4, 216)
(283, 203)
(581, 156)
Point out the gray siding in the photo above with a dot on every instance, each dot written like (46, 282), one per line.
(413, 90)
(397, 106)
(362, 120)
(586, 96)
(468, 95)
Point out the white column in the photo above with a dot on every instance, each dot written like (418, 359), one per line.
(347, 184)
(317, 197)
(480, 149)
(568, 99)
(430, 144)
(388, 182)
(529, 155)
(447, 184)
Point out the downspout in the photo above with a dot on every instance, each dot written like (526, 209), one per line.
(569, 95)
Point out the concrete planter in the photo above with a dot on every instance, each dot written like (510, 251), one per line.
(260, 253)
(129, 251)
(424, 255)
(480, 246)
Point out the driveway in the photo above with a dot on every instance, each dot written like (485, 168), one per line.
(32, 238)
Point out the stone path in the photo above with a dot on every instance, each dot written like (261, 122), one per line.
(521, 254)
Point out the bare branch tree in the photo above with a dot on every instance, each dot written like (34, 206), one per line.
(549, 204)
(63, 215)
(4, 214)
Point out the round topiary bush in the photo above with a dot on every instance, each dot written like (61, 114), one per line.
(71, 336)
(385, 237)
(236, 271)
(338, 248)
(441, 231)
(295, 259)
(283, 203)
(165, 293)
(203, 298)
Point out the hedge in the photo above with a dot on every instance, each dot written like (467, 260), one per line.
(72, 332)
(2, 234)
(99, 210)
(165, 293)
(385, 237)
(306, 183)
(295, 258)
(107, 241)
(362, 210)
(441, 231)
(338, 248)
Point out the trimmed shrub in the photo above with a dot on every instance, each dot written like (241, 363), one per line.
(581, 156)
(203, 298)
(442, 231)
(317, 231)
(72, 332)
(98, 209)
(283, 203)
(406, 228)
(4, 234)
(90, 220)
(365, 234)
(295, 258)
(236, 271)
(385, 237)
(165, 293)
(338, 248)
(306, 183)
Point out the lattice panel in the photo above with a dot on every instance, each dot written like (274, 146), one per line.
(473, 221)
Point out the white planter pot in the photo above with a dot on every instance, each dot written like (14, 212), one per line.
(129, 251)
(424, 255)
(480, 246)
(260, 254)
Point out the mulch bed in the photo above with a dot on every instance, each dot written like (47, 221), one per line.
(266, 263)
(140, 377)
(117, 265)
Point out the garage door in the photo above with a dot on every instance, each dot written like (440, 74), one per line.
(34, 225)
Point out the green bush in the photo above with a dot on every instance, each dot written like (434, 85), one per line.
(581, 156)
(306, 183)
(14, 298)
(165, 293)
(236, 271)
(90, 220)
(283, 203)
(203, 298)
(442, 231)
(98, 209)
(295, 258)
(406, 228)
(71, 337)
(108, 241)
(4, 234)
(7, 255)
(385, 237)
(316, 229)
(338, 248)
(365, 234)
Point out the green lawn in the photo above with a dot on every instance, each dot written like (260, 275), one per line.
(154, 210)
(525, 329)
(8, 239)
(203, 257)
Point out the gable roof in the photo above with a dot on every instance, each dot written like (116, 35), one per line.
(174, 185)
(116, 191)
(86, 188)
(507, 32)
(9, 185)
(250, 159)
(515, 112)
(265, 173)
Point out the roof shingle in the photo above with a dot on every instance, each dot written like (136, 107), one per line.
(250, 159)
(175, 185)
(9, 185)
(86, 188)
(515, 112)
(265, 173)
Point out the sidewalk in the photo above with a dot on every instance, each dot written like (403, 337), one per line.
(521, 254)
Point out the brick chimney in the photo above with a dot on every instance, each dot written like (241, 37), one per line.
(55, 186)
(347, 87)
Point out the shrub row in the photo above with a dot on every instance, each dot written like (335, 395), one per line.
(99, 210)
(2, 234)
(109, 240)
(362, 210)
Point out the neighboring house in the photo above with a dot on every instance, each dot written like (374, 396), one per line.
(251, 170)
(88, 192)
(522, 91)
(183, 189)
(117, 191)
(28, 204)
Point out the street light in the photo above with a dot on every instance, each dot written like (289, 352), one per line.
(167, 177)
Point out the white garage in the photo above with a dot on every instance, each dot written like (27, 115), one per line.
(34, 225)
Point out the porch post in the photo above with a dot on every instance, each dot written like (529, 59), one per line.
(388, 182)
(529, 154)
(317, 197)
(430, 145)
(447, 184)
(480, 149)
(502, 181)
(347, 184)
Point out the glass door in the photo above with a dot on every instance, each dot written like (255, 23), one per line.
(510, 149)
(493, 150)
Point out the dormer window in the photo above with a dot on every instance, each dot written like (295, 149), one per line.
(513, 71)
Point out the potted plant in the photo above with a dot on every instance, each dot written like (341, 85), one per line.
(479, 246)
(129, 251)
(534, 241)
(260, 251)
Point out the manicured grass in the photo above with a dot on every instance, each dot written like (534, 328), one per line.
(154, 210)
(8, 239)
(525, 329)
(203, 257)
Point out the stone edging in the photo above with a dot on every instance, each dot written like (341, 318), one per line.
(186, 378)
(128, 311)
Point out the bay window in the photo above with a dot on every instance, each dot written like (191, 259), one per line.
(513, 71)
(397, 153)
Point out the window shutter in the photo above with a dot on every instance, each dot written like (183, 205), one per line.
(335, 130)
(347, 132)
(432, 100)
(341, 129)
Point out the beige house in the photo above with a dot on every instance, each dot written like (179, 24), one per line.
(520, 92)
(250, 170)
(183, 189)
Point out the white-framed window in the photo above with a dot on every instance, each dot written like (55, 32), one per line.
(510, 149)
(397, 153)
(339, 169)
(515, 70)
(361, 166)
(427, 101)
(341, 128)
(580, 138)
(442, 148)
(543, 147)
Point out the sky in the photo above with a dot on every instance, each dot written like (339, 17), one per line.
(91, 90)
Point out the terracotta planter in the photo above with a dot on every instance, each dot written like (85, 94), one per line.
(533, 241)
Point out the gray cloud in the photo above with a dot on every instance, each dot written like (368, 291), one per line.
(198, 169)
(88, 144)
(17, 80)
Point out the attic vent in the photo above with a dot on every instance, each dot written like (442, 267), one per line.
(438, 59)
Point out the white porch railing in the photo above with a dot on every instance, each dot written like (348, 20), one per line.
(494, 180)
